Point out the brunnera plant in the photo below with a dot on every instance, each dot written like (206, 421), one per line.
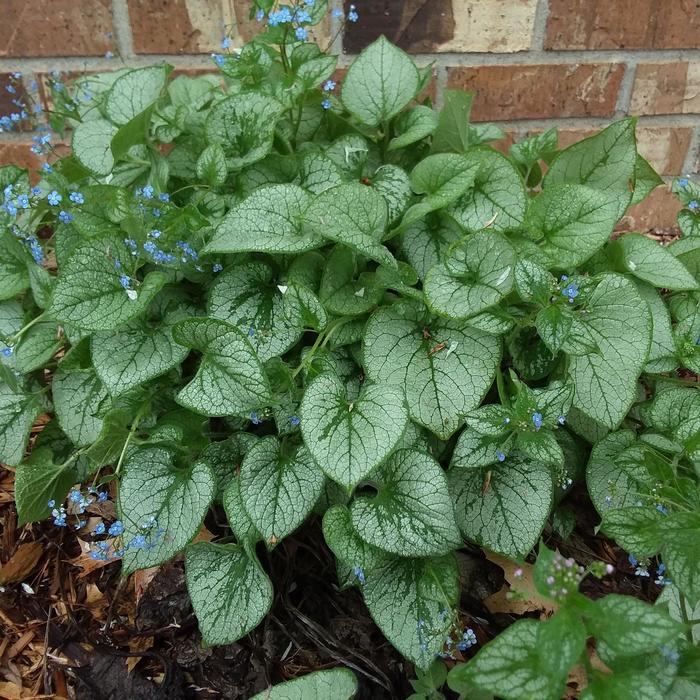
(261, 292)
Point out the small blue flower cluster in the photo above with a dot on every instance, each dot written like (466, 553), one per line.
(537, 420)
(359, 574)
(641, 569)
(107, 550)
(693, 204)
(328, 88)
(78, 503)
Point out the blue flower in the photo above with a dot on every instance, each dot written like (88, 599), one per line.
(76, 197)
(360, 574)
(51, 503)
(164, 197)
(226, 43)
(683, 182)
(137, 542)
(301, 34)
(669, 654)
(570, 291)
(125, 281)
(337, 14)
(36, 250)
(116, 528)
(251, 332)
(561, 420)
(130, 243)
(255, 418)
(329, 86)
(99, 529)
(187, 249)
(218, 59)
(47, 168)
(662, 509)
(54, 198)
(537, 420)
(102, 496)
(294, 420)
(109, 55)
(310, 3)
(326, 104)
(6, 352)
(260, 15)
(500, 456)
(75, 496)
(217, 267)
(155, 233)
(23, 201)
(693, 204)
(352, 15)
(64, 217)
(36, 191)
(148, 192)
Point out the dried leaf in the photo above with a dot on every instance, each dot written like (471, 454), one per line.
(22, 562)
(142, 578)
(527, 598)
(10, 691)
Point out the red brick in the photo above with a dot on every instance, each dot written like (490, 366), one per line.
(666, 88)
(540, 91)
(176, 26)
(623, 24)
(664, 147)
(658, 210)
(56, 28)
(7, 99)
(18, 153)
(429, 26)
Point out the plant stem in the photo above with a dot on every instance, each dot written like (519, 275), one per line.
(129, 437)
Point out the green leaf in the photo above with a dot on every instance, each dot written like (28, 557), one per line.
(673, 406)
(331, 684)
(511, 666)
(561, 641)
(412, 514)
(646, 180)
(78, 397)
(442, 178)
(349, 439)
(573, 222)
(211, 165)
(477, 274)
(18, 410)
(498, 195)
(230, 379)
(638, 529)
(395, 187)
(134, 356)
(250, 297)
(134, 92)
(239, 521)
(605, 162)
(624, 623)
(230, 592)
(540, 447)
(345, 292)
(164, 503)
(426, 242)
(244, 125)
(92, 146)
(619, 322)
(88, 294)
(345, 542)
(413, 126)
(279, 487)
(270, 220)
(533, 282)
(506, 511)
(681, 551)
(441, 387)
(651, 262)
(317, 172)
(352, 214)
(410, 600)
(39, 480)
(452, 133)
(14, 277)
(662, 350)
(614, 482)
(36, 346)
(381, 81)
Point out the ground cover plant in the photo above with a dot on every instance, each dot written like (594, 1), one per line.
(292, 300)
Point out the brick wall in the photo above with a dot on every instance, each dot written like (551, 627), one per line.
(574, 64)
